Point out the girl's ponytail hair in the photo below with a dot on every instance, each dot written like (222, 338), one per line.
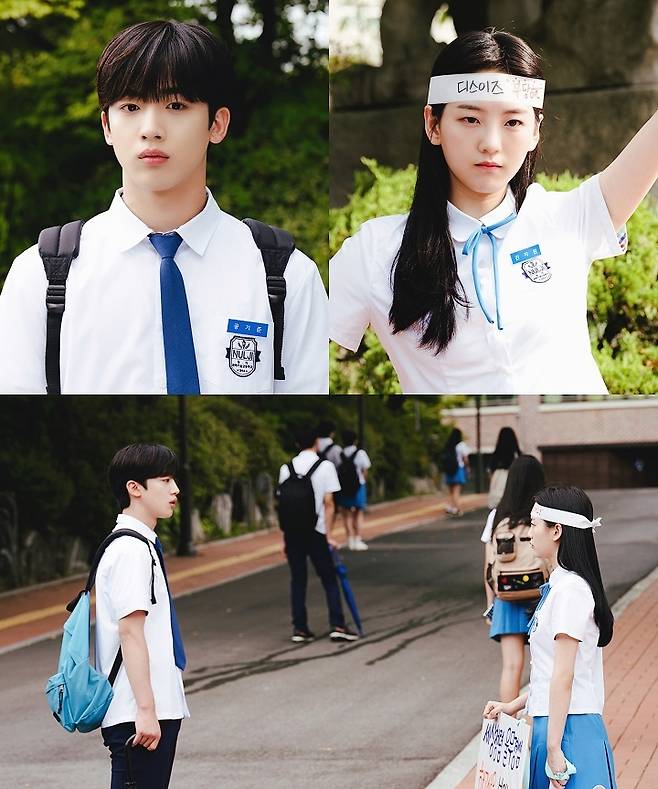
(424, 277)
(577, 551)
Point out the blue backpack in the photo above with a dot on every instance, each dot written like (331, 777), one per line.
(78, 695)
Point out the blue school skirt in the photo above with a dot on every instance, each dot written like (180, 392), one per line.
(585, 744)
(510, 617)
(458, 478)
(357, 501)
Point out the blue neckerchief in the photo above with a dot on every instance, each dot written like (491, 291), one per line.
(544, 589)
(472, 244)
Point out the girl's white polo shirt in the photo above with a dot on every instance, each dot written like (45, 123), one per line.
(123, 585)
(544, 257)
(569, 609)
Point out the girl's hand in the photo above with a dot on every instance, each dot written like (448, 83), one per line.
(492, 709)
(558, 764)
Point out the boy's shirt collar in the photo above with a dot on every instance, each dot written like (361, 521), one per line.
(129, 230)
(128, 522)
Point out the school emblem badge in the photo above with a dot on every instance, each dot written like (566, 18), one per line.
(243, 355)
(536, 270)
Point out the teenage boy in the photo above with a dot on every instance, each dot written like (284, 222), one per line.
(314, 545)
(168, 293)
(134, 612)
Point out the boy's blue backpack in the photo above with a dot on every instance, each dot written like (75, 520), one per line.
(59, 245)
(77, 694)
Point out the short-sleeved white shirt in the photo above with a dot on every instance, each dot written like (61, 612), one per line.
(112, 340)
(569, 609)
(544, 344)
(333, 453)
(324, 480)
(123, 585)
(361, 461)
(462, 452)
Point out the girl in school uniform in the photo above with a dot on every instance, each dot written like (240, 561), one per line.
(572, 623)
(507, 448)
(482, 286)
(455, 480)
(510, 619)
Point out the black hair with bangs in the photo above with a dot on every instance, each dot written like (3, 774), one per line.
(139, 462)
(152, 61)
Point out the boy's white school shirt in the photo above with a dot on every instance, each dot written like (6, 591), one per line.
(112, 339)
(544, 346)
(324, 480)
(569, 608)
(123, 585)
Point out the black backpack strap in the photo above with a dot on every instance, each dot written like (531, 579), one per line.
(276, 246)
(58, 246)
(313, 468)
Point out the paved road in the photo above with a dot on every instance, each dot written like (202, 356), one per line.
(389, 711)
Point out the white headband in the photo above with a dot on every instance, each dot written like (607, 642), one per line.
(485, 86)
(564, 517)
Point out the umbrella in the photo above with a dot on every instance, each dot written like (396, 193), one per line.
(348, 594)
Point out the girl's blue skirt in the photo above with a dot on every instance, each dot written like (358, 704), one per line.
(585, 744)
(458, 478)
(358, 501)
(509, 617)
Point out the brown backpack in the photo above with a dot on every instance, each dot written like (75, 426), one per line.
(513, 571)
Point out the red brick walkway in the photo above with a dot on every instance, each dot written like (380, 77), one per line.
(28, 614)
(631, 680)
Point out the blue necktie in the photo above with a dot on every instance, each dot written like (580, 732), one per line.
(472, 243)
(179, 649)
(180, 359)
(544, 589)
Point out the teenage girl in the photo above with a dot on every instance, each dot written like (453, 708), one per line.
(507, 448)
(572, 623)
(482, 286)
(457, 479)
(509, 619)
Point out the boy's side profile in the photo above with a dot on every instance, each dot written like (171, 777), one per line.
(166, 293)
(134, 613)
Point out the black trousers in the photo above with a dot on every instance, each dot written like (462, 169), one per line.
(151, 769)
(313, 546)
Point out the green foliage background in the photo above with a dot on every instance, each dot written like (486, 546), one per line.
(55, 165)
(55, 453)
(622, 298)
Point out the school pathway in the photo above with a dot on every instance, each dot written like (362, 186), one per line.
(631, 680)
(33, 613)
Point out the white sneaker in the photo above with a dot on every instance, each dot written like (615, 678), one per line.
(359, 545)
(351, 543)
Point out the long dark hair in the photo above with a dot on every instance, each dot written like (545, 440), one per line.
(507, 448)
(577, 551)
(424, 278)
(453, 439)
(525, 478)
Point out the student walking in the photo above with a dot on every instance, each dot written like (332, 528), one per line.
(454, 460)
(352, 498)
(305, 497)
(508, 552)
(166, 293)
(507, 448)
(482, 286)
(571, 625)
(135, 614)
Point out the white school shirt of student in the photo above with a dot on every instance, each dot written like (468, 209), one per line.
(123, 585)
(462, 452)
(333, 453)
(544, 256)
(361, 461)
(112, 340)
(324, 480)
(569, 609)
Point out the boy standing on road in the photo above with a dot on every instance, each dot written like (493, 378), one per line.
(134, 612)
(314, 543)
(164, 270)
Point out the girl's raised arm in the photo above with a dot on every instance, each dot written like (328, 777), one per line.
(626, 181)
